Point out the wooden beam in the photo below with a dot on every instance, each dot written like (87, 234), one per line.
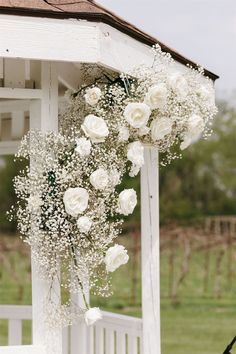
(48, 39)
(20, 93)
(150, 252)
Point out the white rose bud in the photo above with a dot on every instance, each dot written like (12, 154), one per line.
(179, 85)
(160, 127)
(84, 224)
(92, 315)
(83, 146)
(185, 143)
(115, 257)
(137, 114)
(135, 153)
(95, 128)
(156, 96)
(127, 201)
(123, 134)
(99, 179)
(34, 202)
(92, 95)
(143, 131)
(75, 201)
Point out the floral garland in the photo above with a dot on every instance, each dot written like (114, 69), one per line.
(68, 209)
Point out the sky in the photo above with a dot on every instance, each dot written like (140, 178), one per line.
(202, 30)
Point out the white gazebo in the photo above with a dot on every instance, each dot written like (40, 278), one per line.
(42, 46)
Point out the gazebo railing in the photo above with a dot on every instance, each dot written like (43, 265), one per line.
(114, 334)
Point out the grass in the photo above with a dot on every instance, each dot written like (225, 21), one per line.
(197, 324)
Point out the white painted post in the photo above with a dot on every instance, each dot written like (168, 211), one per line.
(17, 124)
(150, 253)
(44, 116)
(80, 333)
(14, 332)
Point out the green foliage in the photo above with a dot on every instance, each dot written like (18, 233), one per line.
(8, 170)
(203, 182)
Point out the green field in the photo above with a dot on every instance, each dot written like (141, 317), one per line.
(198, 323)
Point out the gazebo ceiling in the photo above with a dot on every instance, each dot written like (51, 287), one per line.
(87, 10)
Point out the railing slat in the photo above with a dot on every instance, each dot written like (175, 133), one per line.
(99, 340)
(132, 344)
(110, 341)
(65, 340)
(120, 342)
(14, 332)
(91, 339)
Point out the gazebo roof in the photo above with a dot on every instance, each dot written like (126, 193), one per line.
(87, 10)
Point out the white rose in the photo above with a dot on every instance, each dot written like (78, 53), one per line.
(137, 114)
(206, 94)
(123, 133)
(160, 127)
(92, 315)
(114, 177)
(179, 85)
(34, 202)
(95, 128)
(143, 131)
(195, 127)
(84, 224)
(99, 179)
(93, 95)
(127, 201)
(134, 170)
(156, 96)
(115, 257)
(135, 153)
(83, 146)
(75, 201)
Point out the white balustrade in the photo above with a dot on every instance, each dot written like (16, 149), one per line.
(114, 334)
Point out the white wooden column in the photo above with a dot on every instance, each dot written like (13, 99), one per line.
(44, 116)
(150, 252)
(18, 124)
